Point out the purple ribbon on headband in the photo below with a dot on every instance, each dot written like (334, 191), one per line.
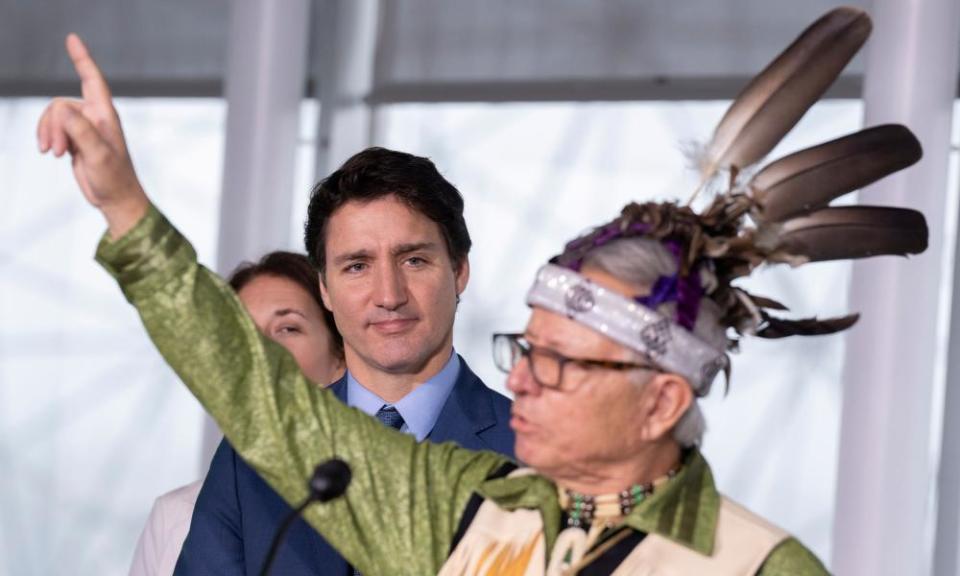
(686, 291)
(663, 291)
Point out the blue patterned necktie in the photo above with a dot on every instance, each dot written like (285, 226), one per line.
(389, 416)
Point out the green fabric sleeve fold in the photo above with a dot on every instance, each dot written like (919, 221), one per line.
(791, 558)
(405, 501)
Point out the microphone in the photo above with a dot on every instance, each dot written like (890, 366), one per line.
(330, 480)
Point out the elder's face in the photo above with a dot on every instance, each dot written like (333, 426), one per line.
(593, 418)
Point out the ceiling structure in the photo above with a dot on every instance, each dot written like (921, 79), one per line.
(429, 50)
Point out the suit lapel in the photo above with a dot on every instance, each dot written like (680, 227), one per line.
(467, 412)
(339, 389)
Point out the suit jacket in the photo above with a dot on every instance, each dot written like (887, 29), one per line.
(237, 513)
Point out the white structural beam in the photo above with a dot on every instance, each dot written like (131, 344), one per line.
(265, 82)
(883, 521)
(346, 54)
(946, 559)
(946, 554)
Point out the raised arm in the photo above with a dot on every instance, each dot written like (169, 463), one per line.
(402, 508)
(89, 129)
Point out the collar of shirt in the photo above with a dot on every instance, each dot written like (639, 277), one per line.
(420, 408)
(685, 509)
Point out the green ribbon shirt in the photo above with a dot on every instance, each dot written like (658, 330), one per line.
(404, 504)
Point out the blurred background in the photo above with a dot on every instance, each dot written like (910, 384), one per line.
(548, 115)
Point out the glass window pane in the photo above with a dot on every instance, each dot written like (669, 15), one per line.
(93, 425)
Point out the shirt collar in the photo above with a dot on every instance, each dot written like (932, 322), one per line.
(420, 408)
(684, 509)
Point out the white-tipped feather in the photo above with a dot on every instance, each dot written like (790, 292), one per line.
(778, 97)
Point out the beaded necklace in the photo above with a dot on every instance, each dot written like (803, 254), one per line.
(583, 509)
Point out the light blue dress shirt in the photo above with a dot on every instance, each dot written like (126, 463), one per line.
(420, 408)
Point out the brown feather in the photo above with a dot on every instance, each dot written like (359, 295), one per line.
(777, 98)
(854, 232)
(769, 303)
(782, 327)
(812, 178)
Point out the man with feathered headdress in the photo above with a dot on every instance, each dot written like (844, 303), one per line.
(629, 326)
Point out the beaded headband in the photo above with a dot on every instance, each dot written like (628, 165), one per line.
(630, 323)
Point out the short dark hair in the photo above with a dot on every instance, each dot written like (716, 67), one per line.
(296, 268)
(378, 172)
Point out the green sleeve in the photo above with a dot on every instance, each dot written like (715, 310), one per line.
(791, 558)
(403, 505)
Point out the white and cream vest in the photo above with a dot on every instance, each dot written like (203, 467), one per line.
(501, 541)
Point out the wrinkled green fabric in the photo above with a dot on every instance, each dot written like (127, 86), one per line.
(791, 557)
(406, 498)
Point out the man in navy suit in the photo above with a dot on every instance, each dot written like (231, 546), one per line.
(387, 234)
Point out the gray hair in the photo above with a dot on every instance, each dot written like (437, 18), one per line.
(641, 261)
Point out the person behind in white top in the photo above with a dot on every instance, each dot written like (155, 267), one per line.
(282, 294)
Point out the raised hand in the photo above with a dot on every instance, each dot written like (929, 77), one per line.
(89, 130)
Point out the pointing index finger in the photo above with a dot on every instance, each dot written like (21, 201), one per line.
(93, 86)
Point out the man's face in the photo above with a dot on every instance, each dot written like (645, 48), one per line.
(391, 286)
(594, 419)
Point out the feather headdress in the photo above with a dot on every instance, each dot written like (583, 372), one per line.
(781, 214)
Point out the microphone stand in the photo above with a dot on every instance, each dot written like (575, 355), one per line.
(330, 480)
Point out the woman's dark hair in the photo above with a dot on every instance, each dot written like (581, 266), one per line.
(378, 172)
(296, 268)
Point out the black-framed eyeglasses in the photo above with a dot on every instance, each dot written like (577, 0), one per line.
(546, 366)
